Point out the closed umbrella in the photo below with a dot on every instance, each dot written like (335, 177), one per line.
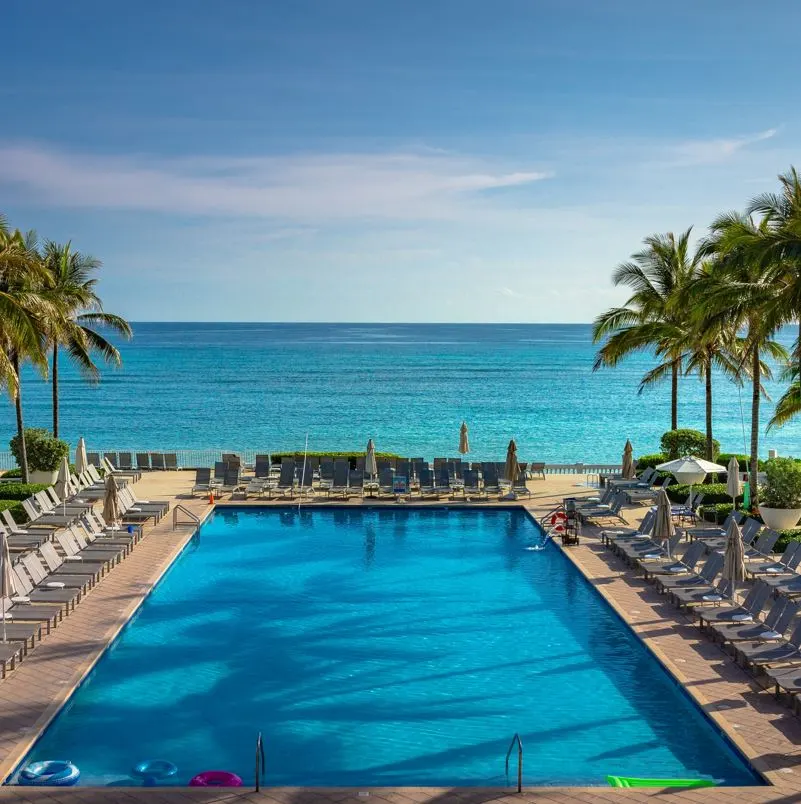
(464, 443)
(511, 470)
(734, 557)
(628, 461)
(63, 482)
(734, 488)
(663, 522)
(7, 588)
(81, 461)
(111, 505)
(370, 465)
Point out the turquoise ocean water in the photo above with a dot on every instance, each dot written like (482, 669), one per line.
(408, 386)
(382, 647)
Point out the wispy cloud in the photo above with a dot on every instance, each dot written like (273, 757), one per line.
(703, 152)
(297, 188)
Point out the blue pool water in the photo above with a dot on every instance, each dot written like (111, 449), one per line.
(382, 647)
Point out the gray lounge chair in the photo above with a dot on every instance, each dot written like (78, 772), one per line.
(778, 619)
(704, 578)
(171, 460)
(112, 458)
(427, 487)
(126, 461)
(386, 479)
(786, 564)
(76, 553)
(749, 529)
(491, 481)
(761, 654)
(42, 576)
(716, 594)
(748, 611)
(93, 458)
(59, 595)
(143, 460)
(340, 482)
(21, 610)
(202, 481)
(286, 480)
(519, 487)
(761, 548)
(157, 460)
(471, 488)
(356, 483)
(537, 469)
(686, 564)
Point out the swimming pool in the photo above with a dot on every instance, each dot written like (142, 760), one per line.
(388, 646)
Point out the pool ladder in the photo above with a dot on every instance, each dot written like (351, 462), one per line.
(516, 739)
(180, 508)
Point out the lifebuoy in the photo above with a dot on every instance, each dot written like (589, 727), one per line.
(216, 779)
(152, 770)
(50, 773)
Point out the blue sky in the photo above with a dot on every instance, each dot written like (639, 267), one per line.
(386, 160)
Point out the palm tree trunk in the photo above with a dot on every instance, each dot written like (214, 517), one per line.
(23, 452)
(55, 390)
(674, 396)
(708, 378)
(754, 466)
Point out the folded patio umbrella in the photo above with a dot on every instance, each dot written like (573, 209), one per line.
(663, 522)
(734, 557)
(733, 486)
(370, 465)
(628, 461)
(81, 461)
(111, 505)
(7, 588)
(464, 443)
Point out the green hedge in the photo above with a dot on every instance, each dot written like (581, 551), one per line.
(713, 493)
(17, 511)
(12, 473)
(785, 537)
(650, 461)
(20, 491)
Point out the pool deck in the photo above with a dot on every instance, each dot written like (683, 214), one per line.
(765, 730)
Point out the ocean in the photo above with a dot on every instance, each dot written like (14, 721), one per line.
(408, 386)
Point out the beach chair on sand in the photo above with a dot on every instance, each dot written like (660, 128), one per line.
(537, 469)
(143, 460)
(126, 461)
(157, 460)
(171, 460)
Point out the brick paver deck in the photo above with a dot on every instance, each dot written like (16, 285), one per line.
(766, 732)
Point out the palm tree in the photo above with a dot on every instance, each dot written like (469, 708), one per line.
(22, 310)
(742, 293)
(650, 320)
(80, 309)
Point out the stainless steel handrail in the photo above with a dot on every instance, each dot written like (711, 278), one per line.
(194, 517)
(260, 762)
(516, 739)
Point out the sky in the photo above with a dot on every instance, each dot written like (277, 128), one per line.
(386, 160)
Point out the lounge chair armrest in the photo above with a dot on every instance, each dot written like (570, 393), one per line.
(20, 599)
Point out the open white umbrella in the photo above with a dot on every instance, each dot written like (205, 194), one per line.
(62, 486)
(734, 557)
(111, 505)
(7, 588)
(370, 464)
(663, 522)
(464, 443)
(81, 461)
(690, 469)
(734, 488)
(628, 461)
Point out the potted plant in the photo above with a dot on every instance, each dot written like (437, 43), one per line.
(45, 454)
(780, 505)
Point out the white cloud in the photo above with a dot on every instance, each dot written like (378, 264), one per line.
(297, 188)
(703, 152)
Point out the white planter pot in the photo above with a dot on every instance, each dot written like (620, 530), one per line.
(43, 477)
(780, 518)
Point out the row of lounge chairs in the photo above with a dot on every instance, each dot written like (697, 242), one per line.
(336, 478)
(759, 625)
(57, 559)
(144, 460)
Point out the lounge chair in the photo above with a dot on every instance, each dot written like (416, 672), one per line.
(491, 482)
(202, 481)
(643, 481)
(25, 634)
(326, 475)
(537, 470)
(610, 512)
(644, 550)
(20, 609)
(56, 594)
(356, 483)
(339, 484)
(442, 481)
(712, 530)
(143, 460)
(20, 542)
(14, 529)
(133, 474)
(472, 487)
(154, 508)
(126, 461)
(93, 459)
(786, 564)
(262, 467)
(76, 555)
(38, 518)
(762, 654)
(748, 611)
(231, 480)
(772, 627)
(157, 460)
(286, 480)
(611, 537)
(427, 487)
(386, 480)
(112, 458)
(762, 547)
(519, 487)
(305, 480)
(38, 567)
(704, 578)
(74, 503)
(720, 592)
(749, 531)
(88, 529)
(686, 564)
(171, 460)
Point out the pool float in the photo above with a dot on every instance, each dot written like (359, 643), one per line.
(633, 781)
(50, 772)
(216, 779)
(151, 770)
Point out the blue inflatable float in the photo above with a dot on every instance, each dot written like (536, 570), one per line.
(152, 771)
(51, 773)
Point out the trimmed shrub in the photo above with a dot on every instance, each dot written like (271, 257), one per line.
(650, 461)
(20, 491)
(785, 537)
(45, 453)
(13, 473)
(333, 455)
(783, 489)
(714, 493)
(742, 460)
(678, 443)
(17, 511)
